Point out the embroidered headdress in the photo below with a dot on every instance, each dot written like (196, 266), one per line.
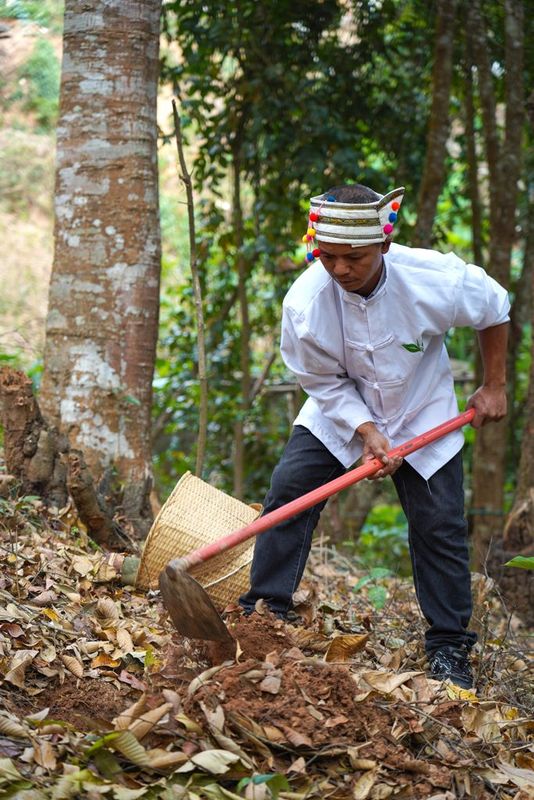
(356, 224)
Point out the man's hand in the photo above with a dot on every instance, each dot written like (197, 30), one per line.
(376, 446)
(489, 400)
(489, 403)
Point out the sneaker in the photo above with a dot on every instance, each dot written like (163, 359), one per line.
(451, 663)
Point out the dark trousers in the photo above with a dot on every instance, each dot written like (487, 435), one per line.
(437, 536)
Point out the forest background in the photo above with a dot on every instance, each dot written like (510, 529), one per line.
(278, 101)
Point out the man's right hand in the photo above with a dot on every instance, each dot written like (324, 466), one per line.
(375, 445)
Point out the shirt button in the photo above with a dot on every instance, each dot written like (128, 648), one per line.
(362, 306)
(376, 386)
(369, 348)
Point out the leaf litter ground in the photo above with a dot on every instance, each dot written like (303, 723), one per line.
(100, 697)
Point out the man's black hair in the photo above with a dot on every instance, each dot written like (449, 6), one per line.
(353, 193)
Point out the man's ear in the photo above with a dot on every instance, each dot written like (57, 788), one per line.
(385, 246)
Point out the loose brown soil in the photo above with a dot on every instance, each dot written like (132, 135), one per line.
(255, 637)
(88, 705)
(303, 706)
(272, 698)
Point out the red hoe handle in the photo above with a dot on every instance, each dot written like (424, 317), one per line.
(310, 499)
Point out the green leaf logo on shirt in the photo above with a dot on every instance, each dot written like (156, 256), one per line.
(416, 347)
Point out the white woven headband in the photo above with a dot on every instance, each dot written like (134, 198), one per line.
(356, 224)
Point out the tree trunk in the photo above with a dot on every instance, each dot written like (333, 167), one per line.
(438, 128)
(504, 163)
(246, 382)
(518, 585)
(521, 316)
(104, 291)
(344, 517)
(472, 167)
(32, 450)
(40, 461)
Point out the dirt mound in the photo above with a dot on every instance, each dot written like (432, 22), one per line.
(313, 702)
(254, 636)
(310, 708)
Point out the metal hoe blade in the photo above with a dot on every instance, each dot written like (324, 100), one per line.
(191, 608)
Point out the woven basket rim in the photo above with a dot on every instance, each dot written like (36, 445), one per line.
(190, 518)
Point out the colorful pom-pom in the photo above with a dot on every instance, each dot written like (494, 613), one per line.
(316, 253)
(392, 217)
(309, 256)
(314, 217)
(305, 238)
(309, 238)
(388, 228)
(311, 232)
(395, 206)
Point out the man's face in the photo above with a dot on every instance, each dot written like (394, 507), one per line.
(356, 269)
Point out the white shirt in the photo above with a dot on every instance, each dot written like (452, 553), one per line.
(382, 359)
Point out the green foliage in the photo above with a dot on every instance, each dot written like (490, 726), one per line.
(39, 82)
(277, 94)
(26, 176)
(383, 540)
(377, 592)
(522, 562)
(47, 13)
(176, 394)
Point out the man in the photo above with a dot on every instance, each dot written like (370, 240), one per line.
(363, 330)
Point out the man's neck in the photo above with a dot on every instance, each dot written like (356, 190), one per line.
(379, 280)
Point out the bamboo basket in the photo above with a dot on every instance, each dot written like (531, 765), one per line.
(196, 514)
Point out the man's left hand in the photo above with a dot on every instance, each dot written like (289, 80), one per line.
(489, 403)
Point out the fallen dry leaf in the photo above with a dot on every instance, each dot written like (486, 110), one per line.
(82, 565)
(342, 648)
(126, 743)
(164, 759)
(10, 727)
(107, 612)
(44, 754)
(363, 786)
(124, 640)
(386, 682)
(147, 720)
(216, 762)
(126, 717)
(273, 734)
(103, 660)
(18, 665)
(333, 722)
(73, 665)
(297, 739)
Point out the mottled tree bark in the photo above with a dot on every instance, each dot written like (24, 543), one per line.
(32, 450)
(104, 291)
(91, 506)
(504, 164)
(438, 126)
(39, 462)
